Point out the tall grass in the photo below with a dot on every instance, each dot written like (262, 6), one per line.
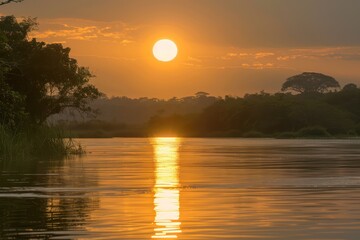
(35, 142)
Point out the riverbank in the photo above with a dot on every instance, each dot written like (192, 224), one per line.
(36, 142)
(135, 131)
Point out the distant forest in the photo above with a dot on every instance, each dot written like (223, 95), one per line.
(126, 110)
(308, 105)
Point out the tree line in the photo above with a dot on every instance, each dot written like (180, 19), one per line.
(125, 110)
(309, 105)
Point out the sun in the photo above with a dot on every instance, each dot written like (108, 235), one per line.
(165, 50)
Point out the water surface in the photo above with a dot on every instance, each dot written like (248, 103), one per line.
(187, 189)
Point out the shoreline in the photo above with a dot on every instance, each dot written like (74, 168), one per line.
(217, 137)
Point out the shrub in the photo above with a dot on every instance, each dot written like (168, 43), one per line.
(253, 134)
(286, 135)
(35, 142)
(352, 133)
(357, 129)
(314, 131)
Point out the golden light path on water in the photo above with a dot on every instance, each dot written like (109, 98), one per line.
(166, 189)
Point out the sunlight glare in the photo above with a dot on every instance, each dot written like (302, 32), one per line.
(167, 194)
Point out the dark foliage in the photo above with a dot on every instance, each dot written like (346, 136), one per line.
(44, 74)
(313, 132)
(309, 82)
(279, 115)
(124, 110)
(12, 107)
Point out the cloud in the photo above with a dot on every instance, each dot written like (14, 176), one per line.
(193, 59)
(291, 57)
(232, 55)
(258, 66)
(263, 55)
(236, 59)
(256, 55)
(281, 58)
(253, 66)
(99, 57)
(336, 53)
(84, 30)
(193, 62)
(347, 57)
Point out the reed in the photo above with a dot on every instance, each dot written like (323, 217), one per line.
(36, 142)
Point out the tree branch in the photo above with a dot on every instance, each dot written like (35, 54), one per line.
(9, 1)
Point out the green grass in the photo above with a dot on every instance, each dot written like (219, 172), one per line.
(35, 142)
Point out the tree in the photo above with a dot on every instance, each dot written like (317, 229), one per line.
(11, 103)
(310, 82)
(9, 1)
(45, 74)
(201, 94)
(350, 87)
(12, 111)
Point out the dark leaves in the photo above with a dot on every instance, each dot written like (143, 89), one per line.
(309, 82)
(44, 74)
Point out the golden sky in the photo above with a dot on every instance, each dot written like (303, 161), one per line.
(225, 46)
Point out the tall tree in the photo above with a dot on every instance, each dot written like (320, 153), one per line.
(310, 82)
(45, 74)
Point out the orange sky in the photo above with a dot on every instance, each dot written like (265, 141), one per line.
(225, 46)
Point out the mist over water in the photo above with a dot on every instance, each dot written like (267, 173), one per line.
(187, 189)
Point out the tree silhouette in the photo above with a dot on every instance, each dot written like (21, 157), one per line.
(350, 87)
(202, 94)
(310, 82)
(45, 74)
(9, 1)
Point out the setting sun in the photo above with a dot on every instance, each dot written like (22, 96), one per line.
(165, 50)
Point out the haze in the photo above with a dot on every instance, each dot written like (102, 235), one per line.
(225, 47)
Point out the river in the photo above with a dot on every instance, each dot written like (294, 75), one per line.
(139, 188)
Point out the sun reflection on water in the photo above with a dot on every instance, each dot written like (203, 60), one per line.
(166, 198)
